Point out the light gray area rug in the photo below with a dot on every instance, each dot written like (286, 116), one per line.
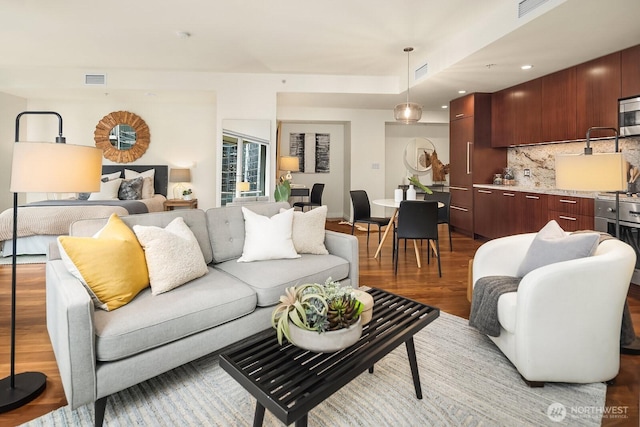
(24, 259)
(465, 379)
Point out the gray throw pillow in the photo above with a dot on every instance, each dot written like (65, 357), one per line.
(552, 245)
(131, 189)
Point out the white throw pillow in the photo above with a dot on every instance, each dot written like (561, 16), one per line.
(148, 190)
(108, 190)
(172, 253)
(308, 231)
(110, 176)
(267, 238)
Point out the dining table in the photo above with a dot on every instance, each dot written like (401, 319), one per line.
(392, 203)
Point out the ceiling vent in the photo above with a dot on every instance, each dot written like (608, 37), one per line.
(95, 79)
(526, 6)
(421, 71)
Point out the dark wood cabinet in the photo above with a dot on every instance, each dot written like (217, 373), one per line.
(502, 119)
(501, 212)
(597, 93)
(472, 159)
(558, 109)
(533, 211)
(630, 72)
(526, 99)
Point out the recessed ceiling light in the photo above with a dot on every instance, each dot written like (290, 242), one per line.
(445, 106)
(462, 91)
(527, 67)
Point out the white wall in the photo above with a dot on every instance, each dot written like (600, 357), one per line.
(334, 180)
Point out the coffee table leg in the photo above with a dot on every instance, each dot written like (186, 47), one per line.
(302, 422)
(413, 362)
(258, 418)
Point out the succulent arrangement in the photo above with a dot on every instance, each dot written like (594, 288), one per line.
(186, 192)
(315, 307)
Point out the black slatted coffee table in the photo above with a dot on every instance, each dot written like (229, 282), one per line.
(289, 381)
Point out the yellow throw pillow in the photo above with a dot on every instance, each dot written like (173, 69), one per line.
(111, 264)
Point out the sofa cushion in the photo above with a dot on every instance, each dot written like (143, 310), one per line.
(172, 253)
(269, 279)
(308, 231)
(226, 228)
(152, 321)
(267, 238)
(92, 260)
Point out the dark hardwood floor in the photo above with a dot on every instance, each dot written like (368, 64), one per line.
(34, 351)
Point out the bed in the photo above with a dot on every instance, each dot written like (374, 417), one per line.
(40, 223)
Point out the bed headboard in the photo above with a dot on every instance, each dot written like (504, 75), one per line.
(160, 182)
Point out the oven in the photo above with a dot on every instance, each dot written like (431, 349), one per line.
(605, 220)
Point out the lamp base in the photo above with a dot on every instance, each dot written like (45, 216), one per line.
(28, 386)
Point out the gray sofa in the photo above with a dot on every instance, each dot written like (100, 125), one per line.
(100, 353)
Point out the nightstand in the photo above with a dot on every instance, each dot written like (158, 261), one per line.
(171, 204)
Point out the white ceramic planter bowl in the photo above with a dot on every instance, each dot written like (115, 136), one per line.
(325, 342)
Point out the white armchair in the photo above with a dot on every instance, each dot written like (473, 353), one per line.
(563, 324)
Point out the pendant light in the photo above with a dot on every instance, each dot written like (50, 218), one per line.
(408, 112)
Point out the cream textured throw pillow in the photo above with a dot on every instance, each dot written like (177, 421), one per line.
(108, 190)
(172, 253)
(267, 238)
(308, 231)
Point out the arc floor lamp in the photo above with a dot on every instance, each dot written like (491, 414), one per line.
(42, 167)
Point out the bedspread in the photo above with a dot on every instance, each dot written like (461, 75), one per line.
(54, 220)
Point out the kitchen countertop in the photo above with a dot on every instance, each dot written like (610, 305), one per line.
(585, 194)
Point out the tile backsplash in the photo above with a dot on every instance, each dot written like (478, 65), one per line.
(540, 159)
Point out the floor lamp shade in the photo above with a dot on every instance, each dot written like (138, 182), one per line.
(47, 167)
(595, 172)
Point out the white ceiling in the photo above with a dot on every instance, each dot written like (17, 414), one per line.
(359, 38)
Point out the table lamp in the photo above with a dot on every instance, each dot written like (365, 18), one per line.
(42, 167)
(289, 164)
(180, 176)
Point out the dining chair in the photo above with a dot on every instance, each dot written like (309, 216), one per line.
(362, 213)
(417, 220)
(315, 200)
(443, 212)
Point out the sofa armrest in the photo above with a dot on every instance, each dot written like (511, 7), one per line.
(501, 257)
(344, 246)
(71, 330)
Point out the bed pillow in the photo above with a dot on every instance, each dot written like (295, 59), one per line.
(308, 231)
(267, 238)
(172, 253)
(111, 265)
(103, 178)
(108, 190)
(552, 245)
(131, 189)
(148, 189)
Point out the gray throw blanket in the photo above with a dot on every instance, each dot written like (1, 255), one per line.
(487, 291)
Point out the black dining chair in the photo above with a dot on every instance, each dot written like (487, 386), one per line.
(417, 220)
(362, 213)
(443, 212)
(315, 200)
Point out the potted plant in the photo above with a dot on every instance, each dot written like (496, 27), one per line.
(186, 194)
(283, 190)
(319, 318)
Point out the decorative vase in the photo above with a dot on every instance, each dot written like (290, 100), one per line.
(397, 195)
(411, 192)
(186, 197)
(325, 342)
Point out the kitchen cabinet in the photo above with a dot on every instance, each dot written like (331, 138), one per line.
(597, 93)
(630, 72)
(572, 213)
(472, 159)
(516, 115)
(558, 108)
(502, 212)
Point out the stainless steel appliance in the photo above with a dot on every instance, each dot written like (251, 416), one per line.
(629, 116)
(605, 219)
